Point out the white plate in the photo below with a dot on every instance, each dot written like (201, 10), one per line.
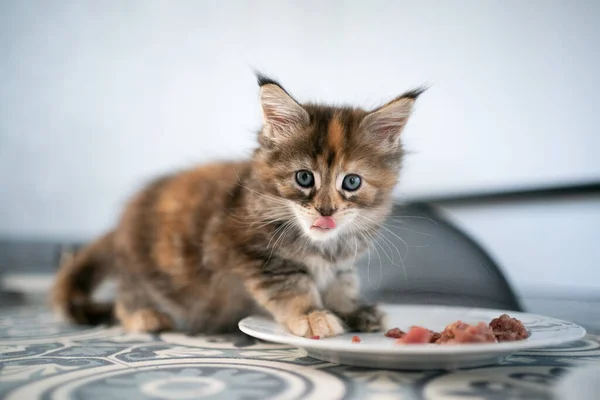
(377, 351)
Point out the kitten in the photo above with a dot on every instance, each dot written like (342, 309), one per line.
(276, 234)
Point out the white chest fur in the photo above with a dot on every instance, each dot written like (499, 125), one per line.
(323, 272)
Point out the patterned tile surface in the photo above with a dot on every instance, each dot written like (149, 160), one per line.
(40, 358)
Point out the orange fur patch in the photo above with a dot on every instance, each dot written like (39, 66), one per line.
(335, 134)
(145, 320)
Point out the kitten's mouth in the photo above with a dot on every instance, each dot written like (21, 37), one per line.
(323, 223)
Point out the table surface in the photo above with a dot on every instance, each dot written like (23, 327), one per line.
(40, 358)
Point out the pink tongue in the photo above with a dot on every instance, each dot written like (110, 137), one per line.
(324, 223)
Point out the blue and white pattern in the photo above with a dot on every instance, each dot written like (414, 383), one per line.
(42, 358)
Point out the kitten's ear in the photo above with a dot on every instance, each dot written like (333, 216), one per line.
(386, 123)
(281, 113)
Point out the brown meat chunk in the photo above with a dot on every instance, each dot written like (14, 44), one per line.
(395, 333)
(507, 329)
(435, 337)
(416, 335)
(459, 332)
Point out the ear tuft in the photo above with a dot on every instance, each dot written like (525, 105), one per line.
(265, 80)
(413, 94)
(386, 123)
(281, 113)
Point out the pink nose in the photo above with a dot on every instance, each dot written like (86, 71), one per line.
(324, 223)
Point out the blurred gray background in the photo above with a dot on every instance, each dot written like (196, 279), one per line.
(97, 97)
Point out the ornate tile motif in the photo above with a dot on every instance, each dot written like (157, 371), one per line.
(41, 358)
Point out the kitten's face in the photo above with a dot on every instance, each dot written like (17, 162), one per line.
(334, 168)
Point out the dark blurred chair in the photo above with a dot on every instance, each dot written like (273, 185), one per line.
(422, 258)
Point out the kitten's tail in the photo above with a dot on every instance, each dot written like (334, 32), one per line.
(76, 280)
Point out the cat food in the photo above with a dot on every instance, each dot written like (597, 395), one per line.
(435, 337)
(459, 332)
(395, 333)
(507, 329)
(355, 339)
(501, 329)
(416, 334)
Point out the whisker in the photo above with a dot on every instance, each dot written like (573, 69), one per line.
(261, 195)
(380, 267)
(392, 233)
(406, 229)
(389, 242)
(289, 227)
(275, 233)
(270, 220)
(401, 217)
(354, 236)
(402, 265)
(368, 242)
(281, 230)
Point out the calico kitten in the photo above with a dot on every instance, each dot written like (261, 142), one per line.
(278, 233)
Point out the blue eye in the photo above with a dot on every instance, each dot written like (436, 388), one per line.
(305, 178)
(351, 182)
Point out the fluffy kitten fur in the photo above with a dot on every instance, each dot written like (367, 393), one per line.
(199, 250)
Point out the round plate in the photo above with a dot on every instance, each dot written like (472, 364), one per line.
(377, 351)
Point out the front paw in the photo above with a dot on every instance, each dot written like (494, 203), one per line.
(321, 323)
(366, 318)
